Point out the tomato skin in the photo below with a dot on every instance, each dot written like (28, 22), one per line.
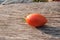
(36, 20)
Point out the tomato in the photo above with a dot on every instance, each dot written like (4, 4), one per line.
(36, 20)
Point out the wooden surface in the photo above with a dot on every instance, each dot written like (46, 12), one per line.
(13, 26)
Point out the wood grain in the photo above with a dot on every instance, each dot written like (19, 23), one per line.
(13, 26)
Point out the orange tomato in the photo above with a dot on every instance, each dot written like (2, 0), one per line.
(36, 20)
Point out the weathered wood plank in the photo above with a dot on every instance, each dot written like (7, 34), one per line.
(13, 27)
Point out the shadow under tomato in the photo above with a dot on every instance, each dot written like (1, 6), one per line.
(54, 31)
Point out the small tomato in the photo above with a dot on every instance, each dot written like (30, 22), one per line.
(36, 20)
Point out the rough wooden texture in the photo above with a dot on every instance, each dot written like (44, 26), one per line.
(13, 26)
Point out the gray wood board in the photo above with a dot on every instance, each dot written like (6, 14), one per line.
(13, 26)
